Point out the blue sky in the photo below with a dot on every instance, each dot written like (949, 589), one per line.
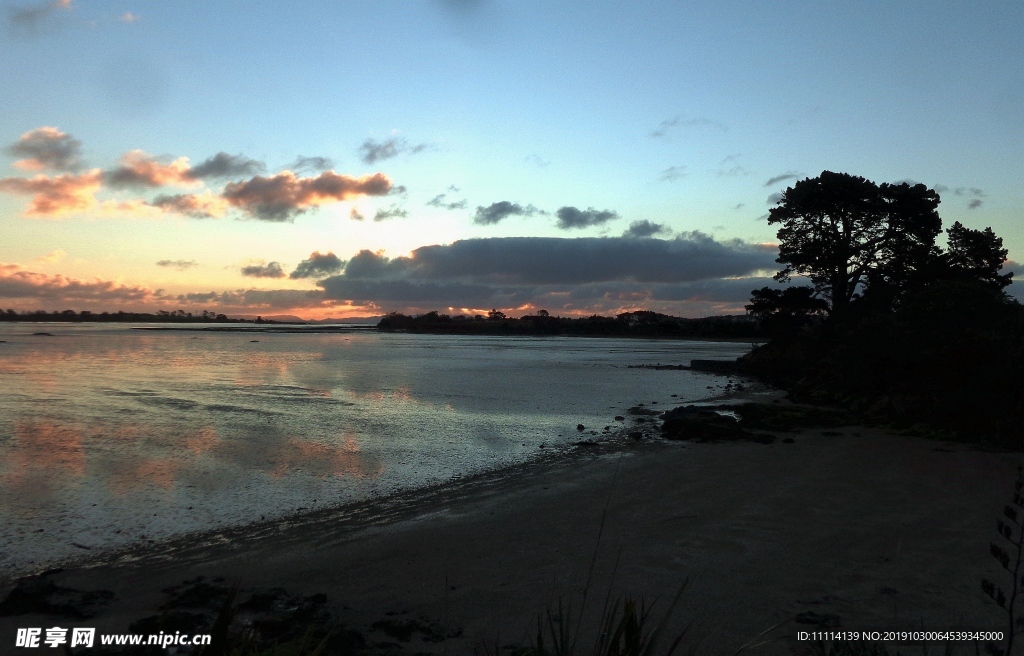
(674, 113)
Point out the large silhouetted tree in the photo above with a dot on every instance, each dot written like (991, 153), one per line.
(846, 233)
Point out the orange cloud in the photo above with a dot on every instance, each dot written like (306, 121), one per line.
(16, 283)
(283, 196)
(141, 170)
(51, 257)
(59, 195)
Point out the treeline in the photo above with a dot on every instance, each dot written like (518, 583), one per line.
(643, 323)
(896, 327)
(163, 316)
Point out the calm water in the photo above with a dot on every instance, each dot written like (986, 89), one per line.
(111, 436)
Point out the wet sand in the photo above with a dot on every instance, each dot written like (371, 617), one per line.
(854, 527)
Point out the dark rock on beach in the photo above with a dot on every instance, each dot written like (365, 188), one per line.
(265, 616)
(39, 594)
(699, 423)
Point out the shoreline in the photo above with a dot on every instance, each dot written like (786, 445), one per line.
(852, 524)
(357, 515)
(389, 506)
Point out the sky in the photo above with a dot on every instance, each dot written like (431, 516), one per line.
(337, 159)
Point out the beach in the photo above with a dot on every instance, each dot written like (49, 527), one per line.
(844, 527)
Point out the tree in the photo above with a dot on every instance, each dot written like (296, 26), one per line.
(785, 309)
(976, 255)
(847, 233)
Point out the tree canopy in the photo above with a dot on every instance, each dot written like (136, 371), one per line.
(845, 233)
(856, 239)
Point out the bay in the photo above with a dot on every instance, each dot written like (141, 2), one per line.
(112, 436)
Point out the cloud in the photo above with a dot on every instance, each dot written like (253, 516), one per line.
(16, 283)
(355, 215)
(311, 164)
(974, 204)
(253, 300)
(180, 265)
(279, 197)
(498, 212)
(141, 170)
(666, 126)
(672, 173)
(47, 148)
(554, 272)
(441, 201)
(780, 178)
(774, 199)
(223, 165)
(393, 212)
(374, 151)
(570, 217)
(261, 270)
(318, 265)
(640, 229)
(56, 196)
(969, 191)
(283, 196)
(549, 260)
(732, 172)
(128, 17)
(51, 257)
(197, 206)
(31, 18)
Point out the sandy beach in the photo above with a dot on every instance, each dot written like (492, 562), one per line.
(846, 527)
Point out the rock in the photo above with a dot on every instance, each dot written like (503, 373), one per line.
(619, 418)
(267, 618)
(580, 427)
(39, 594)
(695, 423)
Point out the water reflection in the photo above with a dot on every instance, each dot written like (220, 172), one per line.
(41, 458)
(106, 428)
(45, 459)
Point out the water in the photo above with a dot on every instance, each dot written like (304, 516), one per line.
(111, 436)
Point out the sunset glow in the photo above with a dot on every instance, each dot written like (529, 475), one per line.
(474, 132)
